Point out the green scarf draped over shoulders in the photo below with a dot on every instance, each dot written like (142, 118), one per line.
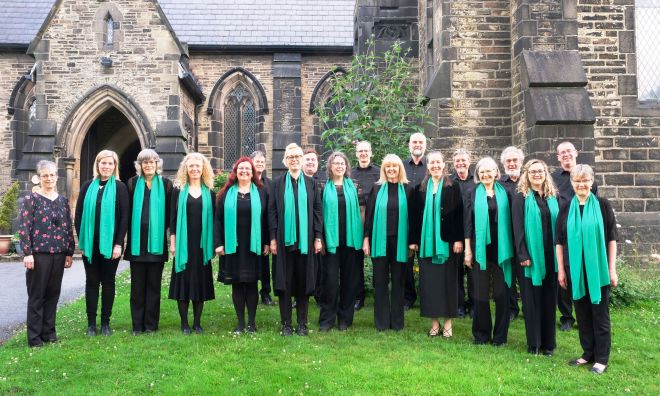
(106, 219)
(379, 234)
(290, 232)
(432, 244)
(230, 214)
(206, 241)
(156, 237)
(354, 231)
(586, 239)
(482, 229)
(534, 237)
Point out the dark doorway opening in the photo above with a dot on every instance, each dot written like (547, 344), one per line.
(111, 131)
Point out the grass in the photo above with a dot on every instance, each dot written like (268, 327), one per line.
(361, 361)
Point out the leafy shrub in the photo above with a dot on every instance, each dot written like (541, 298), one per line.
(633, 286)
(8, 208)
(220, 180)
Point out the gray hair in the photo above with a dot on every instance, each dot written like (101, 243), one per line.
(45, 164)
(484, 162)
(512, 150)
(257, 153)
(332, 158)
(148, 155)
(363, 142)
(460, 151)
(582, 170)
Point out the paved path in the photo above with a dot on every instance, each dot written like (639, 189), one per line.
(13, 292)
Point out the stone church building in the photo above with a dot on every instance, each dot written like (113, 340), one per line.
(225, 77)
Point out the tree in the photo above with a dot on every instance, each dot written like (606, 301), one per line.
(376, 100)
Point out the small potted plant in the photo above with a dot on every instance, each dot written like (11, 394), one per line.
(7, 214)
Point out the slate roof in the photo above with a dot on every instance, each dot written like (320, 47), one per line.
(218, 23)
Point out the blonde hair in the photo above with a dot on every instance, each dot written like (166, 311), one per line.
(182, 173)
(392, 159)
(105, 154)
(148, 155)
(549, 189)
(483, 162)
(290, 147)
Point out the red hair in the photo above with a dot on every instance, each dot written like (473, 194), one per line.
(233, 177)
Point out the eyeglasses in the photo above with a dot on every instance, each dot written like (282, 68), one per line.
(537, 172)
(294, 157)
(338, 164)
(582, 181)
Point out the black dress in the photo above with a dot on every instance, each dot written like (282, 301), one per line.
(195, 282)
(438, 283)
(243, 266)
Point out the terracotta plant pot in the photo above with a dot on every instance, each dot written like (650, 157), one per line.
(5, 242)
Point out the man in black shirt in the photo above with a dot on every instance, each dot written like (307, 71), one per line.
(366, 174)
(465, 179)
(415, 167)
(512, 160)
(567, 157)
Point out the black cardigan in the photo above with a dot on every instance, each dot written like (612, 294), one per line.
(371, 206)
(219, 220)
(451, 229)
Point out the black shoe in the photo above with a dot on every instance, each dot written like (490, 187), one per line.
(577, 362)
(238, 330)
(186, 330)
(91, 331)
(325, 329)
(479, 342)
(287, 331)
(106, 330)
(198, 329)
(533, 350)
(266, 300)
(597, 370)
(301, 330)
(566, 326)
(547, 352)
(358, 305)
(461, 313)
(251, 329)
(498, 344)
(149, 331)
(51, 340)
(343, 327)
(36, 345)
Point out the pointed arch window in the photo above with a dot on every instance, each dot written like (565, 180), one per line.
(240, 126)
(109, 30)
(32, 113)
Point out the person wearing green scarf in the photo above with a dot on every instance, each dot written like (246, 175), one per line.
(488, 234)
(342, 225)
(587, 227)
(149, 204)
(241, 239)
(295, 220)
(101, 221)
(438, 236)
(386, 235)
(534, 213)
(191, 239)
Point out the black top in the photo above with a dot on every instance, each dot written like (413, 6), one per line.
(392, 209)
(509, 184)
(415, 172)
(194, 204)
(491, 249)
(121, 212)
(467, 185)
(609, 222)
(451, 212)
(565, 190)
(144, 222)
(45, 225)
(366, 177)
(518, 223)
(243, 218)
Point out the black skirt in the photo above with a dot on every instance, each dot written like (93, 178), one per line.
(195, 282)
(243, 266)
(438, 288)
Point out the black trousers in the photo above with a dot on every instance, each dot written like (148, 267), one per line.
(265, 276)
(593, 321)
(360, 292)
(540, 306)
(565, 297)
(410, 290)
(338, 290)
(517, 282)
(44, 283)
(145, 294)
(101, 272)
(296, 282)
(462, 272)
(388, 289)
(482, 325)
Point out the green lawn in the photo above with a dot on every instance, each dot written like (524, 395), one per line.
(361, 361)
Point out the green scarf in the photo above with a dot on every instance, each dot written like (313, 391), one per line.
(586, 237)
(379, 234)
(206, 242)
(482, 229)
(290, 232)
(106, 220)
(230, 211)
(156, 216)
(432, 244)
(354, 232)
(534, 237)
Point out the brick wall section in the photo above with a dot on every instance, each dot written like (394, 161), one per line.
(12, 67)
